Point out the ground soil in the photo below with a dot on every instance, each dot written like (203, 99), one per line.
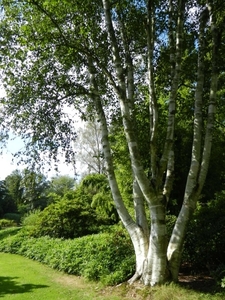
(201, 282)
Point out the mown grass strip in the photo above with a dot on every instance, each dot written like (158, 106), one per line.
(23, 279)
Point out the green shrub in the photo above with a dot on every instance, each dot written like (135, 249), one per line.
(205, 243)
(66, 218)
(222, 282)
(14, 217)
(219, 275)
(107, 257)
(31, 218)
(7, 223)
(12, 243)
(31, 221)
(9, 232)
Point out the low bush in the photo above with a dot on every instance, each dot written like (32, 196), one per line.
(107, 257)
(9, 232)
(219, 275)
(6, 223)
(13, 216)
(31, 218)
(65, 218)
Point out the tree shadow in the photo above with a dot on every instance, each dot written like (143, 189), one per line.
(8, 285)
(199, 283)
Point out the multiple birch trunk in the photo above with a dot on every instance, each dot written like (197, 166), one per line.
(157, 257)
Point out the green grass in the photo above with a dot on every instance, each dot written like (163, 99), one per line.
(23, 279)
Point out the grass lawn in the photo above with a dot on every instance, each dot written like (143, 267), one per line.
(23, 279)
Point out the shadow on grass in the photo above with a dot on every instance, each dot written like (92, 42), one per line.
(8, 285)
(203, 284)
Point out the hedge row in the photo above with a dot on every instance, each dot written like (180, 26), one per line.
(107, 257)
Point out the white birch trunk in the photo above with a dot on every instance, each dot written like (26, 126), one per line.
(137, 234)
(155, 268)
(153, 251)
(198, 169)
(155, 258)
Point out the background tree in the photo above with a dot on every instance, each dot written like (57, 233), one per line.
(103, 58)
(61, 184)
(14, 187)
(88, 148)
(34, 187)
(96, 190)
(7, 205)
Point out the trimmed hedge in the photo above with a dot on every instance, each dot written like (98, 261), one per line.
(107, 257)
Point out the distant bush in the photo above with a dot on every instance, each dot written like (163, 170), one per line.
(13, 216)
(6, 223)
(31, 218)
(107, 257)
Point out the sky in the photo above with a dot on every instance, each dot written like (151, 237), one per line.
(8, 164)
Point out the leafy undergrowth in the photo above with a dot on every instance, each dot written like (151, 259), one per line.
(105, 257)
(9, 232)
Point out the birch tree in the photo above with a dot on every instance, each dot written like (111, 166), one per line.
(88, 149)
(99, 57)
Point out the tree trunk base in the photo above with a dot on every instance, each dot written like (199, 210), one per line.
(134, 278)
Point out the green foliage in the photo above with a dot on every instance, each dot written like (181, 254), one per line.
(205, 243)
(77, 213)
(14, 217)
(7, 203)
(223, 282)
(66, 218)
(35, 187)
(95, 190)
(23, 191)
(14, 187)
(60, 185)
(107, 257)
(9, 232)
(6, 223)
(31, 218)
(170, 222)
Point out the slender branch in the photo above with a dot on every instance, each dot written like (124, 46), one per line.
(212, 102)
(122, 211)
(153, 107)
(173, 93)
